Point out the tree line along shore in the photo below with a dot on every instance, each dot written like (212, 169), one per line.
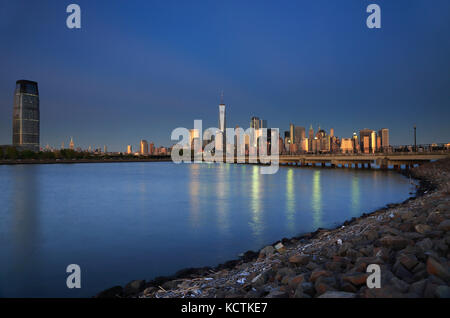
(11, 155)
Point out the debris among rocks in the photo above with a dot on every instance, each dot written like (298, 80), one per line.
(409, 241)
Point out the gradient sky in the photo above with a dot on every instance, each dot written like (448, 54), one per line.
(138, 69)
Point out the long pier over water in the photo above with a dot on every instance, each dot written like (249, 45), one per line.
(382, 160)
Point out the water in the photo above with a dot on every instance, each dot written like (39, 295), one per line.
(125, 221)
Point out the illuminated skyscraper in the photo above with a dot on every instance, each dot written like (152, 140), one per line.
(71, 144)
(384, 133)
(310, 137)
(365, 136)
(222, 126)
(129, 149)
(151, 148)
(299, 134)
(144, 147)
(26, 115)
(255, 123)
(291, 133)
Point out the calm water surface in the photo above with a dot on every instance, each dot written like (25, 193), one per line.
(125, 221)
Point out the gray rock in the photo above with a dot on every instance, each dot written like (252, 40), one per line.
(400, 285)
(134, 287)
(337, 294)
(442, 291)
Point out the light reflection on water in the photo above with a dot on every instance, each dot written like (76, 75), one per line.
(128, 221)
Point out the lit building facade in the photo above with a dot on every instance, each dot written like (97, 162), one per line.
(26, 115)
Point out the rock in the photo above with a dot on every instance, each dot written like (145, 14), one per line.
(318, 273)
(280, 248)
(434, 267)
(284, 272)
(299, 292)
(308, 288)
(444, 225)
(430, 290)
(407, 215)
(408, 260)
(371, 235)
(296, 280)
(400, 285)
(299, 259)
(344, 248)
(334, 266)
(312, 266)
(356, 279)
(422, 228)
(401, 272)
(113, 292)
(418, 287)
(149, 290)
(386, 291)
(425, 245)
(266, 251)
(172, 284)
(435, 218)
(277, 293)
(394, 242)
(442, 291)
(348, 287)
(337, 294)
(258, 280)
(134, 287)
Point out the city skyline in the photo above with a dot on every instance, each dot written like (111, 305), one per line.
(394, 77)
(26, 132)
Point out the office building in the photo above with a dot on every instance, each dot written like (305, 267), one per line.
(26, 117)
(144, 147)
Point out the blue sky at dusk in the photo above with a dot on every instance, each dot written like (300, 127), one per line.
(138, 69)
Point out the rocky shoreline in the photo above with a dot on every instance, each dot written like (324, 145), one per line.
(409, 241)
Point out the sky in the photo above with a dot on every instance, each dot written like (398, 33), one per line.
(139, 69)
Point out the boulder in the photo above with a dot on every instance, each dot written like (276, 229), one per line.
(337, 294)
(299, 259)
(394, 242)
(134, 287)
(434, 267)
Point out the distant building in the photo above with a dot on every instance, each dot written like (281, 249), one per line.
(151, 148)
(144, 147)
(299, 134)
(365, 142)
(222, 126)
(26, 117)
(384, 133)
(71, 144)
(346, 145)
(373, 141)
(291, 133)
(310, 137)
(129, 149)
(304, 145)
(356, 145)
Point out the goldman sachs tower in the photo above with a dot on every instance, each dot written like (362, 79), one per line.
(26, 115)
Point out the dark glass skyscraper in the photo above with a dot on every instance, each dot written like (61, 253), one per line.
(26, 115)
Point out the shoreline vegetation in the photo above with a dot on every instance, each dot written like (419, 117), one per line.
(12, 156)
(409, 241)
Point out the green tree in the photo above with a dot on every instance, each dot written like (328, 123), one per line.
(12, 153)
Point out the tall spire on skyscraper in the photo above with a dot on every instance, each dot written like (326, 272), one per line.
(221, 97)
